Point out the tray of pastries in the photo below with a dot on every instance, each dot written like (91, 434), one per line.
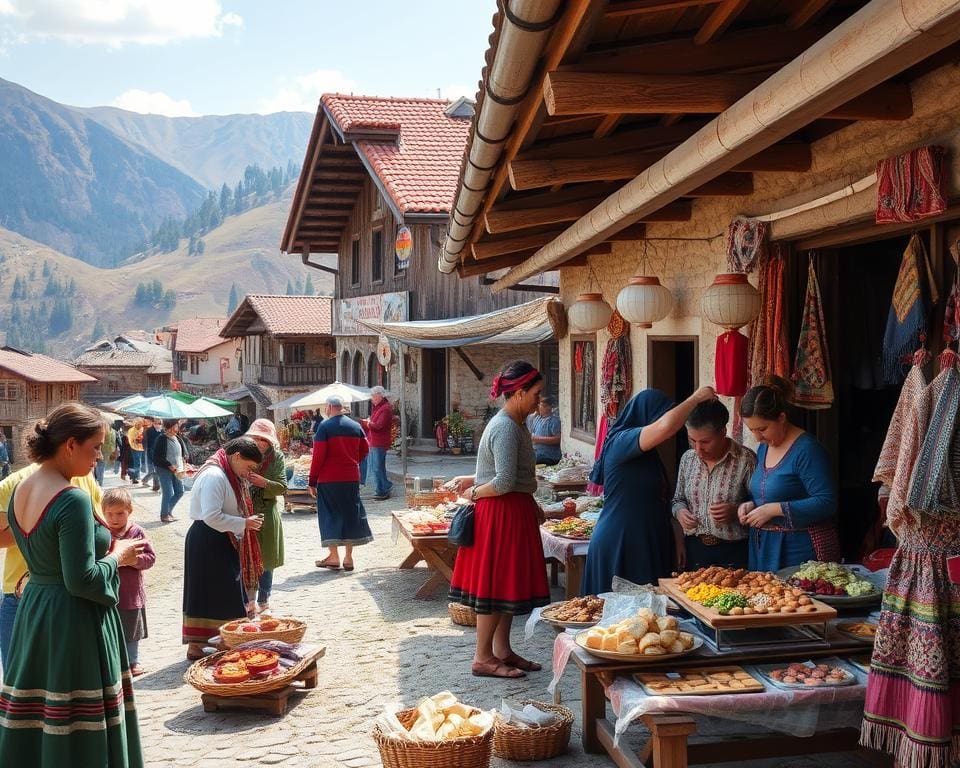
(578, 613)
(644, 637)
(699, 682)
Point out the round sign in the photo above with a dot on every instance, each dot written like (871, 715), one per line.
(404, 247)
(383, 351)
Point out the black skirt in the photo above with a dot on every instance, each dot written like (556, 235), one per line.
(212, 591)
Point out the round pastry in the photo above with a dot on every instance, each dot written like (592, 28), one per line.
(231, 672)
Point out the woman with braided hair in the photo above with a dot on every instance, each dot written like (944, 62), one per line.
(503, 574)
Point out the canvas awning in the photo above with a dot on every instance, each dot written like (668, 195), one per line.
(522, 324)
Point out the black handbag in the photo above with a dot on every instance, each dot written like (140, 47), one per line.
(461, 526)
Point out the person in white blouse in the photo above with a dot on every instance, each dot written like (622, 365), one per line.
(220, 551)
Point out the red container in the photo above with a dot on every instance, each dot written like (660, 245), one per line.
(953, 569)
(879, 559)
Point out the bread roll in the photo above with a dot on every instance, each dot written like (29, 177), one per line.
(637, 628)
(459, 710)
(649, 640)
(653, 650)
(666, 622)
(610, 642)
(623, 636)
(443, 699)
(594, 640)
(668, 637)
(447, 731)
(630, 647)
(677, 647)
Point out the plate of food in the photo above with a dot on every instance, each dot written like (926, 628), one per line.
(570, 528)
(643, 637)
(807, 675)
(865, 631)
(836, 584)
(578, 613)
(699, 682)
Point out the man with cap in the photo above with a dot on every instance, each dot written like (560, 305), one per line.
(339, 446)
(379, 429)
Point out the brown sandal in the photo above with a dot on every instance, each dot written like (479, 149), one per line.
(521, 663)
(327, 564)
(496, 668)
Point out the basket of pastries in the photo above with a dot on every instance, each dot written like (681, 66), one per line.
(463, 615)
(239, 631)
(269, 666)
(428, 498)
(526, 741)
(441, 732)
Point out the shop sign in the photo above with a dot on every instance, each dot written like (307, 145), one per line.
(379, 308)
(384, 351)
(403, 248)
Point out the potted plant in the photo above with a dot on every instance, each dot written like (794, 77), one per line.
(456, 429)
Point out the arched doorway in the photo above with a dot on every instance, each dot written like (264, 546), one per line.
(373, 377)
(345, 367)
(357, 377)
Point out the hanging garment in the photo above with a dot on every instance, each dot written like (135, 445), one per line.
(811, 372)
(913, 295)
(732, 364)
(932, 482)
(768, 347)
(910, 186)
(587, 409)
(746, 243)
(951, 317)
(893, 443)
(616, 369)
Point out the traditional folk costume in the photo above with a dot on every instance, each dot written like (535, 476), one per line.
(339, 446)
(221, 557)
(67, 698)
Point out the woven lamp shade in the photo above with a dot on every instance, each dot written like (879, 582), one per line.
(643, 301)
(731, 302)
(589, 312)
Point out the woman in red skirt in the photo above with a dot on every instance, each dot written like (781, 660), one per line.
(503, 574)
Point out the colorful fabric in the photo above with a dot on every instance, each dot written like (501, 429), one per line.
(746, 242)
(504, 571)
(951, 317)
(339, 446)
(132, 593)
(698, 487)
(912, 708)
(893, 443)
(914, 293)
(731, 366)
(933, 487)
(811, 371)
(503, 386)
(910, 187)
(616, 374)
(768, 340)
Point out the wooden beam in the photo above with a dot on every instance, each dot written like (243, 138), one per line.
(718, 21)
(340, 159)
(328, 210)
(302, 194)
(628, 140)
(635, 7)
(728, 184)
(322, 176)
(498, 222)
(469, 363)
(806, 13)
(607, 126)
(614, 93)
(500, 246)
(471, 267)
(524, 287)
(346, 188)
(321, 199)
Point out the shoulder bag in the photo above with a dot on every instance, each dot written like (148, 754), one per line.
(461, 526)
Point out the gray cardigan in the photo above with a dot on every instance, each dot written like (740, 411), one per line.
(505, 457)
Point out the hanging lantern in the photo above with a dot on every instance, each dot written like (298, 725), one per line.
(731, 302)
(643, 301)
(589, 312)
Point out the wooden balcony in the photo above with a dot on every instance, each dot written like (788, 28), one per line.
(13, 410)
(295, 375)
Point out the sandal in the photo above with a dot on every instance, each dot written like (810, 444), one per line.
(196, 655)
(347, 567)
(521, 663)
(136, 670)
(327, 564)
(496, 668)
(263, 608)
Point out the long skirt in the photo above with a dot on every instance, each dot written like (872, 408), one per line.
(912, 709)
(504, 571)
(212, 592)
(341, 514)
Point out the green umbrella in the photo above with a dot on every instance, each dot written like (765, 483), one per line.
(187, 397)
(166, 407)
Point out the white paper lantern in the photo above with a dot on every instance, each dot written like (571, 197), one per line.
(643, 301)
(589, 312)
(731, 302)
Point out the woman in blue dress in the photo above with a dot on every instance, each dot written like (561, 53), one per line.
(634, 537)
(792, 516)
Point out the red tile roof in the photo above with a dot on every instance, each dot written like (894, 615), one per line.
(198, 334)
(40, 368)
(282, 315)
(420, 170)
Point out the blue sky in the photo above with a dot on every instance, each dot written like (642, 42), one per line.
(225, 56)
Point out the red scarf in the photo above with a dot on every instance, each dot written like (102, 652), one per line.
(251, 559)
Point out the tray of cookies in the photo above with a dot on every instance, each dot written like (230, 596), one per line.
(714, 681)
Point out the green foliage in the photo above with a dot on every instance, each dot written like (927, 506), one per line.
(19, 289)
(151, 294)
(46, 268)
(61, 317)
(233, 300)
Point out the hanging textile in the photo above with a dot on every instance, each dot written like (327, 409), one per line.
(768, 346)
(811, 372)
(588, 414)
(746, 241)
(951, 317)
(616, 369)
(932, 480)
(893, 443)
(732, 364)
(910, 187)
(913, 295)
(593, 488)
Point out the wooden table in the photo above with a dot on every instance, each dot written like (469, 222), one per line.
(571, 553)
(576, 486)
(437, 551)
(667, 746)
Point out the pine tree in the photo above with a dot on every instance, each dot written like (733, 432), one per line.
(72, 288)
(308, 289)
(201, 247)
(238, 197)
(289, 287)
(98, 331)
(61, 317)
(46, 269)
(226, 200)
(233, 300)
(169, 299)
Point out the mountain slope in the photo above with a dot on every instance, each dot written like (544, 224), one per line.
(213, 149)
(70, 182)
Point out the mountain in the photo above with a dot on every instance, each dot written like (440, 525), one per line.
(242, 250)
(213, 149)
(76, 185)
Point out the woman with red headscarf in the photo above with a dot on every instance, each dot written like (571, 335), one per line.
(503, 574)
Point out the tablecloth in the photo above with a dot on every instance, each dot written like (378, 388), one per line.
(560, 548)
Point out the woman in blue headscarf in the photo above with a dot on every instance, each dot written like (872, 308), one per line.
(633, 537)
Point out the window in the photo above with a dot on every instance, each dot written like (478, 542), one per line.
(34, 393)
(194, 365)
(295, 354)
(9, 390)
(355, 261)
(583, 402)
(377, 256)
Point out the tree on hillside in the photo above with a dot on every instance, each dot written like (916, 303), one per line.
(226, 200)
(46, 269)
(289, 287)
(308, 289)
(298, 288)
(238, 197)
(233, 300)
(99, 331)
(169, 299)
(201, 247)
(61, 317)
(19, 289)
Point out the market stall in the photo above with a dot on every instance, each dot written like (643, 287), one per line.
(426, 531)
(566, 538)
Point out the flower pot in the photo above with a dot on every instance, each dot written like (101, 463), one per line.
(455, 450)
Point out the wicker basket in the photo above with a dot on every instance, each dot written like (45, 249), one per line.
(427, 498)
(523, 744)
(198, 676)
(290, 635)
(463, 615)
(462, 752)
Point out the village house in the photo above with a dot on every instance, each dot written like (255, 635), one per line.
(287, 349)
(204, 363)
(624, 139)
(123, 366)
(31, 385)
(376, 189)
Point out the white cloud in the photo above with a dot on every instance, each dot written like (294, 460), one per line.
(454, 92)
(118, 22)
(156, 103)
(302, 94)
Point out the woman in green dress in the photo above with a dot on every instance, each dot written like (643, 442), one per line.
(269, 483)
(67, 698)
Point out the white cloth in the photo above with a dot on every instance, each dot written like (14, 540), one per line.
(212, 500)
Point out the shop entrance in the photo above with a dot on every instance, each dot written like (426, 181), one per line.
(550, 368)
(672, 366)
(434, 392)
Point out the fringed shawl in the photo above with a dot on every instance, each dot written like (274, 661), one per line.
(812, 367)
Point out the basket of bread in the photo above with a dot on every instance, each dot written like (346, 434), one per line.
(441, 732)
(538, 731)
(238, 631)
(641, 637)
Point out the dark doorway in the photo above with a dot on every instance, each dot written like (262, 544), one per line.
(550, 368)
(672, 366)
(434, 393)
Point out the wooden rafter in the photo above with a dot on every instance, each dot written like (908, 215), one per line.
(632, 139)
(807, 12)
(498, 222)
(636, 7)
(730, 184)
(471, 267)
(303, 189)
(718, 21)
(500, 246)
